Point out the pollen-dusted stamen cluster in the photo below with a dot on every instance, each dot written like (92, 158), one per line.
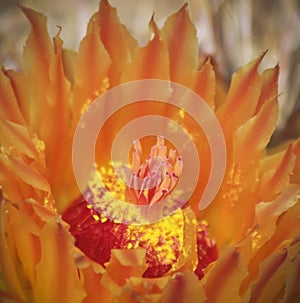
(166, 242)
(152, 180)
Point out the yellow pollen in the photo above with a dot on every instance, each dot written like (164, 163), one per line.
(40, 147)
(85, 106)
(105, 85)
(96, 217)
(103, 219)
(182, 113)
(164, 237)
(256, 240)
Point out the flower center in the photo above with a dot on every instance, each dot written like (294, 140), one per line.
(147, 182)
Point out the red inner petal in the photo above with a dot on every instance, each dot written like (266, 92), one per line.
(96, 237)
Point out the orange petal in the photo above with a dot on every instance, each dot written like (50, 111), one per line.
(119, 43)
(26, 244)
(9, 109)
(69, 58)
(263, 230)
(19, 179)
(180, 36)
(205, 84)
(183, 287)
(151, 61)
(269, 89)
(125, 263)
(16, 137)
(8, 269)
(275, 179)
(252, 137)
(235, 202)
(151, 288)
(90, 82)
(47, 94)
(56, 129)
(28, 175)
(38, 51)
(242, 97)
(57, 278)
(287, 230)
(20, 252)
(19, 86)
(295, 176)
(37, 57)
(287, 199)
(274, 271)
(224, 277)
(91, 274)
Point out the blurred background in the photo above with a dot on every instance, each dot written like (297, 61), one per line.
(232, 31)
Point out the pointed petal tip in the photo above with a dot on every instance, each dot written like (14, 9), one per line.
(28, 12)
(185, 6)
(105, 4)
(153, 28)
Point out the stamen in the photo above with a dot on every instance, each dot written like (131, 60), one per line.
(148, 183)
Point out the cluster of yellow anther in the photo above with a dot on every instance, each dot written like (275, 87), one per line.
(164, 238)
